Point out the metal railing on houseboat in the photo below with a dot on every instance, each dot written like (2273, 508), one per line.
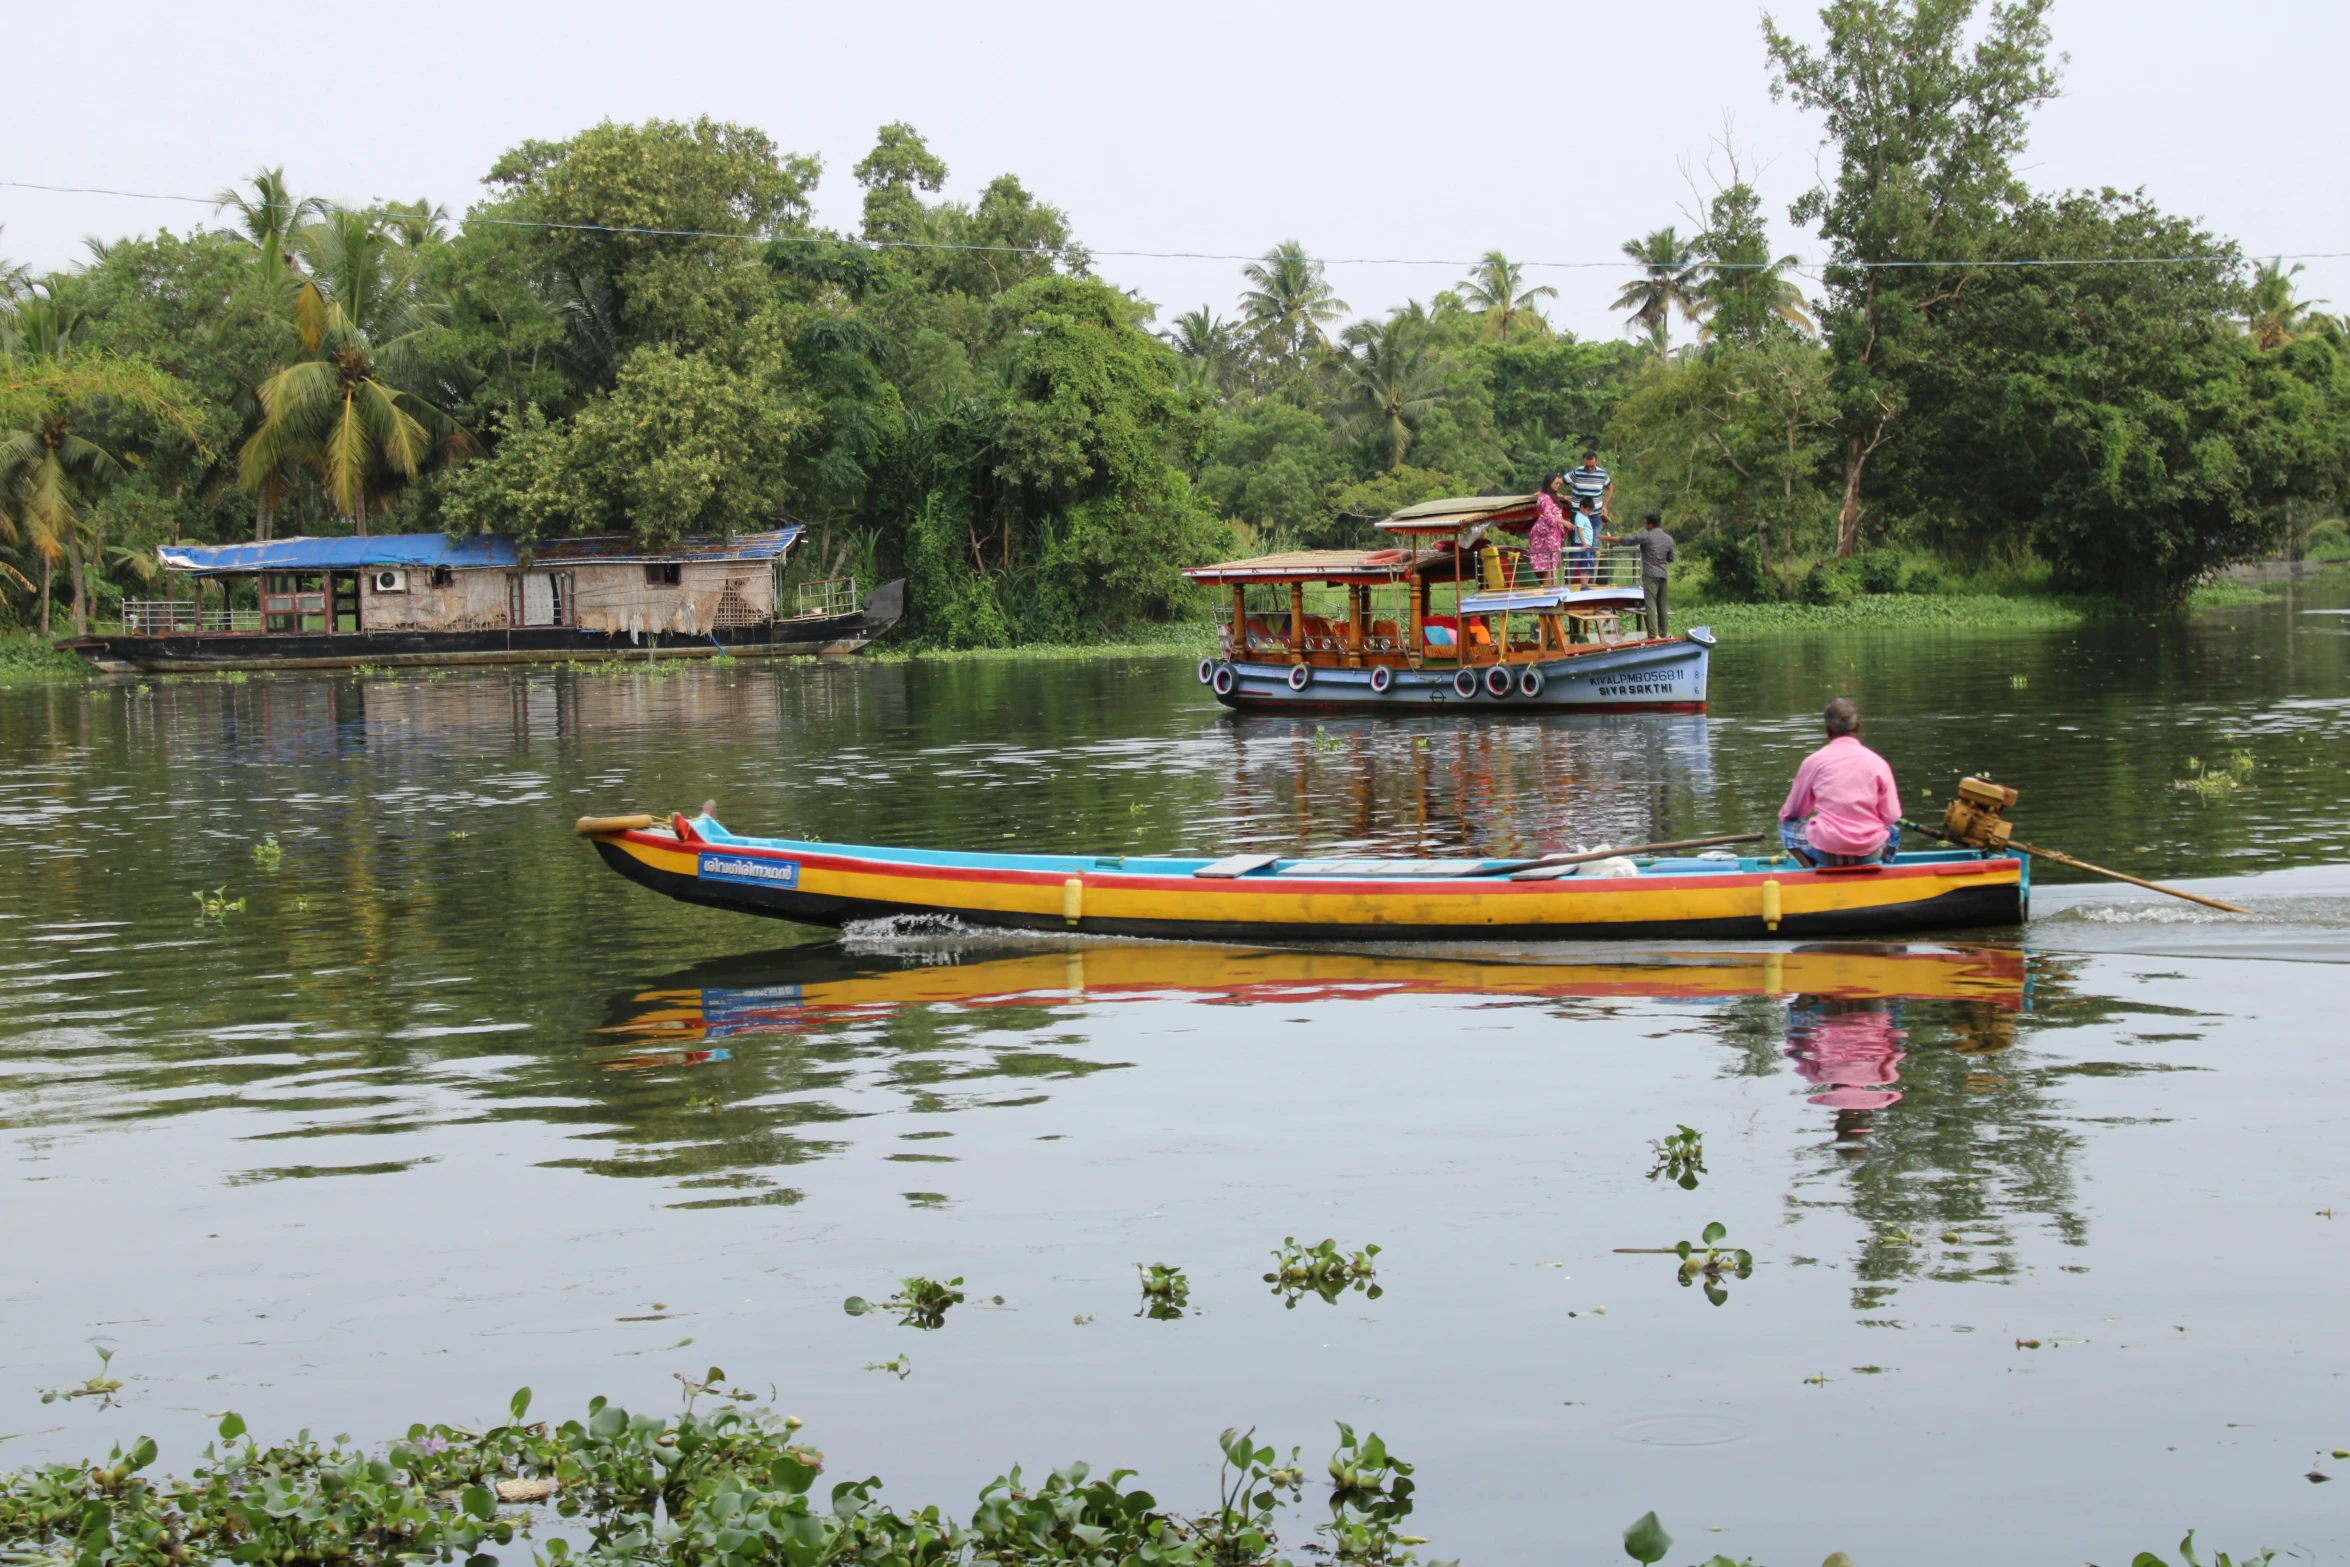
(1386, 629)
(825, 596)
(161, 617)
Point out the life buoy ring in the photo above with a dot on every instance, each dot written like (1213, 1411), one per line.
(1207, 670)
(1464, 683)
(1381, 678)
(1299, 674)
(1498, 681)
(1530, 683)
(1223, 680)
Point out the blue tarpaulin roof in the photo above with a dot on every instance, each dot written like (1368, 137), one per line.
(419, 551)
(1536, 600)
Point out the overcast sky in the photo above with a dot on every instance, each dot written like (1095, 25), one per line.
(1366, 129)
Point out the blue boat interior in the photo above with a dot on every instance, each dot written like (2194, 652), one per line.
(1352, 868)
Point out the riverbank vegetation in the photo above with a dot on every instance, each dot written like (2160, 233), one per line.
(641, 328)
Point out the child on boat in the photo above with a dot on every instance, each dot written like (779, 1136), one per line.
(1843, 808)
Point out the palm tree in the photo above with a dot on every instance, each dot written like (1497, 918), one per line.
(1391, 381)
(2274, 314)
(417, 223)
(50, 469)
(1497, 287)
(14, 279)
(1291, 301)
(347, 410)
(1665, 285)
(1208, 344)
(270, 217)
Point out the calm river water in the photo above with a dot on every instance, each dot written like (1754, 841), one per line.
(2051, 1233)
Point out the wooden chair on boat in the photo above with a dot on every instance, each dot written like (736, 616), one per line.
(1603, 626)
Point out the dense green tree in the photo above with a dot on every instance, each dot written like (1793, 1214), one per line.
(1743, 291)
(900, 164)
(1925, 129)
(2115, 419)
(1271, 466)
(57, 401)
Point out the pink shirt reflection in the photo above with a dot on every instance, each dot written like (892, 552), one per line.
(1853, 1055)
(1847, 791)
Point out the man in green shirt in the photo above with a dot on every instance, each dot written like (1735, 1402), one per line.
(1656, 564)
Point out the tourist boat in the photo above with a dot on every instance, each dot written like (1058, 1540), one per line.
(424, 598)
(1258, 897)
(691, 1012)
(1445, 617)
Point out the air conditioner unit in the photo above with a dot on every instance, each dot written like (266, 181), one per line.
(391, 582)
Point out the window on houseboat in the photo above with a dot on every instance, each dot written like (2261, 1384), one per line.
(663, 574)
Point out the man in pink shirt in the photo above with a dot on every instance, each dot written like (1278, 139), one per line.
(1844, 809)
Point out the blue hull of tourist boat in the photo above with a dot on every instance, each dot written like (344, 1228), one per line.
(1648, 677)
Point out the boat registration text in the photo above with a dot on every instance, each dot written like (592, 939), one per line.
(755, 873)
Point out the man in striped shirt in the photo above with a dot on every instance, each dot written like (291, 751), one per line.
(1591, 483)
(1589, 489)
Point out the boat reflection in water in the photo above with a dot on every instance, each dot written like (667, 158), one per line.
(1840, 1033)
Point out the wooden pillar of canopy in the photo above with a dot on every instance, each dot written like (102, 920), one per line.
(1237, 646)
(1417, 586)
(1297, 622)
(1356, 595)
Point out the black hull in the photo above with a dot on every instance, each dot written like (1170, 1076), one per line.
(1962, 908)
(191, 652)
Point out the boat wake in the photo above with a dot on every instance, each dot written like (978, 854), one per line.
(2298, 915)
(917, 938)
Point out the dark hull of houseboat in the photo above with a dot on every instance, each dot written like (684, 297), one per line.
(1649, 677)
(194, 652)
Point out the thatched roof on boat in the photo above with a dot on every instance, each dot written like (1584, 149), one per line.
(1514, 512)
(1388, 565)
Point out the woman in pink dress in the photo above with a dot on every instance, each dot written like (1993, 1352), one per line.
(1549, 533)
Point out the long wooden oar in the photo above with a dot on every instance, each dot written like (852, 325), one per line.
(2062, 858)
(1547, 861)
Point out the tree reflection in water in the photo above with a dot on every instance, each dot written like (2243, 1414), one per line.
(1945, 1135)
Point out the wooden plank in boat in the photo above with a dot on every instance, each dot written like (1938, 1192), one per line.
(1381, 869)
(1236, 865)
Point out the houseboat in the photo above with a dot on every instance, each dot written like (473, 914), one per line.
(1449, 615)
(425, 598)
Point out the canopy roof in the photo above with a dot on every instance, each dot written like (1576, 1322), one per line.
(1389, 565)
(1514, 512)
(418, 551)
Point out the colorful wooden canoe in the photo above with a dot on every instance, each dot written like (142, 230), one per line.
(1196, 899)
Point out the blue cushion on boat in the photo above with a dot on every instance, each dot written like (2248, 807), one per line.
(1440, 636)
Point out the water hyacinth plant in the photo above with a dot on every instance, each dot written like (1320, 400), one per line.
(1681, 1156)
(919, 1302)
(1165, 1292)
(1323, 1270)
(731, 1487)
